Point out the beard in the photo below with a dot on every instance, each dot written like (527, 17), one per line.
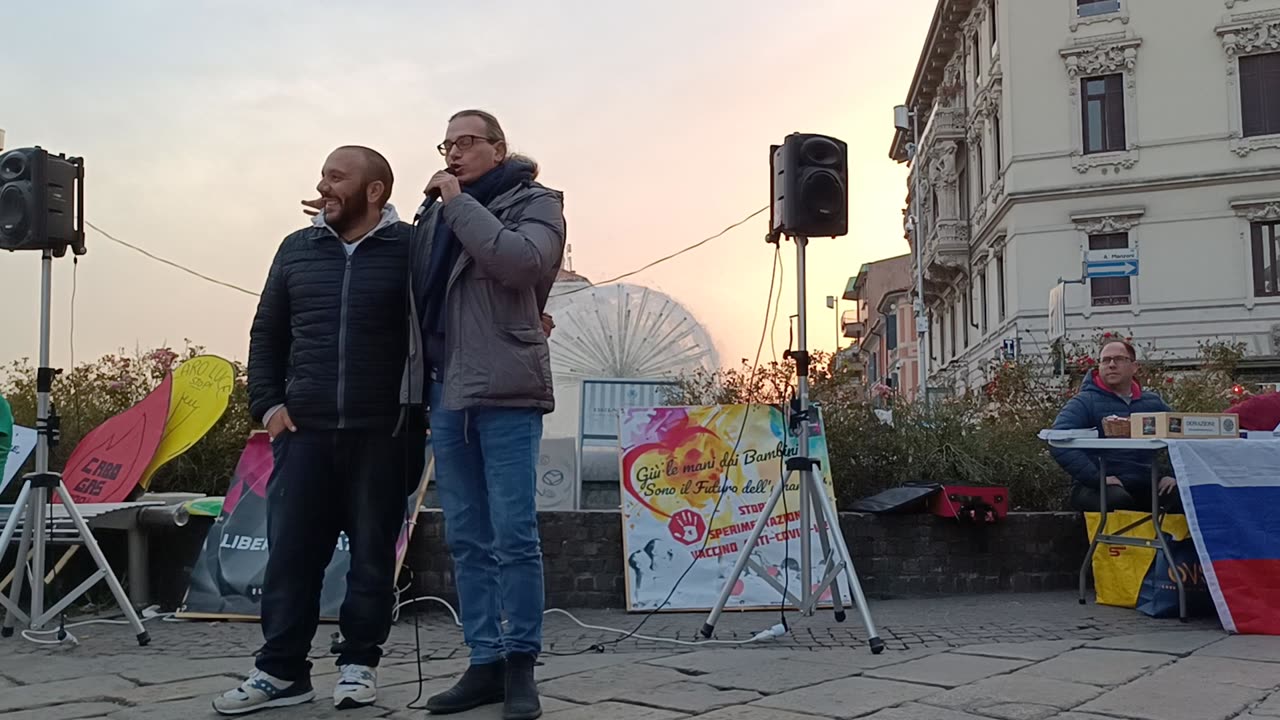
(343, 212)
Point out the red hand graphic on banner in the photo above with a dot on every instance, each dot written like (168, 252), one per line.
(687, 527)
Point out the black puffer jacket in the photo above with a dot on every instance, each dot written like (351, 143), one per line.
(330, 336)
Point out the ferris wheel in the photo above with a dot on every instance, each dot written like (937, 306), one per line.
(624, 331)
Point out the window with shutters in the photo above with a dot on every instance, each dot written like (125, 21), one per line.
(1000, 288)
(1260, 94)
(981, 164)
(994, 20)
(982, 299)
(1103, 113)
(1105, 291)
(999, 142)
(1266, 248)
(951, 330)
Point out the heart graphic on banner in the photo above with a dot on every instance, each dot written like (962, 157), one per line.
(685, 469)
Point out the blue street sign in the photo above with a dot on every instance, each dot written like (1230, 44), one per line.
(1113, 268)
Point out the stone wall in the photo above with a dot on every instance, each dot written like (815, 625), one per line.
(895, 555)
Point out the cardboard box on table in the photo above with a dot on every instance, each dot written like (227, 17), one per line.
(1184, 426)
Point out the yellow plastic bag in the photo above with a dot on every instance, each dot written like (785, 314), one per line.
(1118, 570)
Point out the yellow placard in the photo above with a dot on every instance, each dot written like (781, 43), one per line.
(201, 390)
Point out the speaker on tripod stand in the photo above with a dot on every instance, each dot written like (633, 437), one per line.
(42, 209)
(41, 202)
(809, 197)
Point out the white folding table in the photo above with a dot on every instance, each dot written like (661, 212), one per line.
(1119, 537)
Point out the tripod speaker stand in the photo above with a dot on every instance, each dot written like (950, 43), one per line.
(814, 504)
(32, 502)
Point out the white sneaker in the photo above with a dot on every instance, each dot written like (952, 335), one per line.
(262, 691)
(357, 687)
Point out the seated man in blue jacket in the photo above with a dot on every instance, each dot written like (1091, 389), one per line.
(1112, 390)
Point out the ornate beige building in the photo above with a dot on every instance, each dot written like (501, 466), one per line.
(1139, 136)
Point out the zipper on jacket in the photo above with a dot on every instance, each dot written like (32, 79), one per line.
(342, 347)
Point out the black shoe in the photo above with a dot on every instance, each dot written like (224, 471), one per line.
(522, 690)
(479, 685)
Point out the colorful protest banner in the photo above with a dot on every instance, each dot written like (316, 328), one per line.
(201, 390)
(678, 464)
(107, 464)
(226, 582)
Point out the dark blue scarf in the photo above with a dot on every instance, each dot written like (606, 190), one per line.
(445, 248)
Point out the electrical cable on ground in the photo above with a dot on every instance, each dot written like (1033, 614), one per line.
(63, 631)
(575, 620)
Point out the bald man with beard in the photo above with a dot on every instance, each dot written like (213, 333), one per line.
(326, 355)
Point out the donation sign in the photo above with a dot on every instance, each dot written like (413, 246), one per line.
(676, 465)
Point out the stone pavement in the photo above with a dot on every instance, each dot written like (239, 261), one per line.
(999, 657)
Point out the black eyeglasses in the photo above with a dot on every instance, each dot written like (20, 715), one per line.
(464, 142)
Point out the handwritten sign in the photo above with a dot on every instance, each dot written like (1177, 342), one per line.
(201, 390)
(107, 464)
(695, 481)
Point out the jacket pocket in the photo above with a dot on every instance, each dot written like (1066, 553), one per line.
(519, 367)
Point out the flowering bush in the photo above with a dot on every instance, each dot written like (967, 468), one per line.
(90, 393)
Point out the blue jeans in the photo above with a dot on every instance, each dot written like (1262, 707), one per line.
(485, 472)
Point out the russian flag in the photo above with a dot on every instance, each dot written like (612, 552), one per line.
(1231, 493)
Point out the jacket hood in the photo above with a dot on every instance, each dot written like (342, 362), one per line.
(389, 217)
(1094, 384)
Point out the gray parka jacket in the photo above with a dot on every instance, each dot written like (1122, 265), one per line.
(496, 354)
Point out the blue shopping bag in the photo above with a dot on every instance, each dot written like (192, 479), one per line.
(1159, 594)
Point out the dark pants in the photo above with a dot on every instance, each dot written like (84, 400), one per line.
(1087, 499)
(325, 483)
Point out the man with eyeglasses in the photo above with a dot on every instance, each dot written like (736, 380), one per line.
(1112, 390)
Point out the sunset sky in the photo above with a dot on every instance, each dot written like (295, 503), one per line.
(204, 123)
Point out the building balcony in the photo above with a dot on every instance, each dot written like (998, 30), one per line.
(851, 289)
(853, 326)
(947, 122)
(946, 256)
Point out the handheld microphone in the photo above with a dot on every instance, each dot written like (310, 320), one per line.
(434, 193)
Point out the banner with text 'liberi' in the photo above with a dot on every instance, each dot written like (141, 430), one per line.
(677, 464)
(1231, 492)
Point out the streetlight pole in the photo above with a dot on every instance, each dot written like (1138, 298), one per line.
(833, 303)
